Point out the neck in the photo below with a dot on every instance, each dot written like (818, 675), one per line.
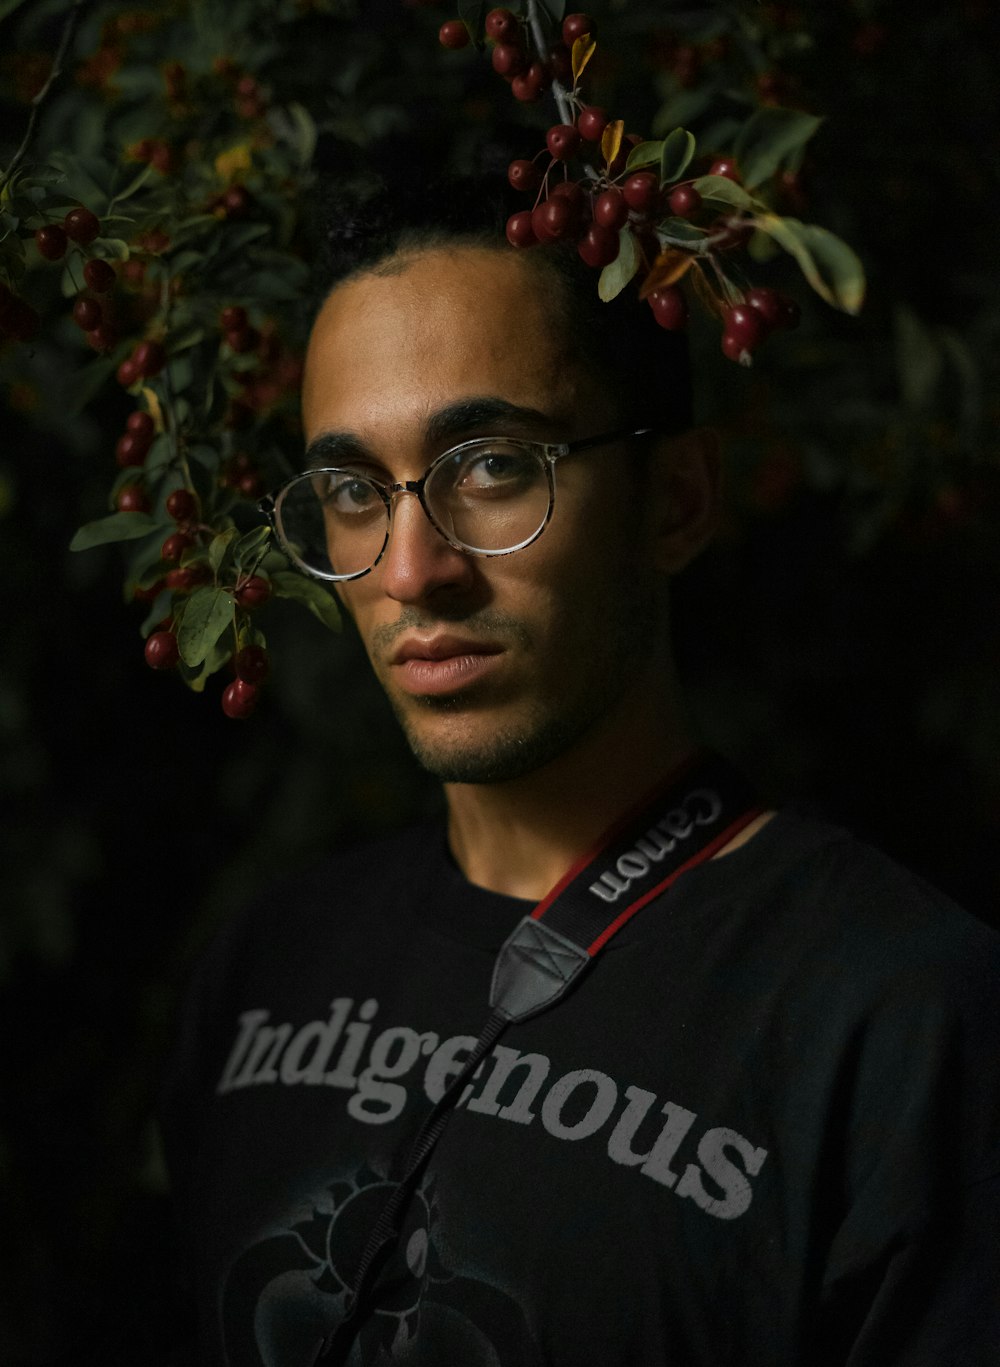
(520, 837)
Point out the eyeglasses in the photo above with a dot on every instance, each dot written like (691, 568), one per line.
(488, 496)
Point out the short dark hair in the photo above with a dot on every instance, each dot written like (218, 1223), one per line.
(647, 370)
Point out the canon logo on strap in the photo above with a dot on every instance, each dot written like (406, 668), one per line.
(701, 807)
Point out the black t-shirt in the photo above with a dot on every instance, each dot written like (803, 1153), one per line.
(762, 1130)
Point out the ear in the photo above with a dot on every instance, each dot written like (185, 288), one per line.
(685, 496)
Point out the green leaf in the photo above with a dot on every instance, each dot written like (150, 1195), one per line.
(109, 248)
(473, 15)
(8, 7)
(644, 154)
(919, 359)
(722, 190)
(136, 183)
(117, 527)
(310, 593)
(208, 613)
(251, 547)
(770, 137)
(679, 232)
(829, 264)
(219, 546)
(678, 149)
(616, 276)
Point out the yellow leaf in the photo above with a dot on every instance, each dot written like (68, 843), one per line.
(611, 139)
(667, 269)
(231, 163)
(583, 49)
(153, 404)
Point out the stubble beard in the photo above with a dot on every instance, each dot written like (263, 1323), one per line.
(627, 638)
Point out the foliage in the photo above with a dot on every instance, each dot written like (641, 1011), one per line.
(851, 648)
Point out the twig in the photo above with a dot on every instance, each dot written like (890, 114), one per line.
(558, 89)
(69, 29)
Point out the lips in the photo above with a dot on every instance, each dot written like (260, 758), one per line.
(438, 665)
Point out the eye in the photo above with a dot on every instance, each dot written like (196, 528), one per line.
(495, 469)
(346, 494)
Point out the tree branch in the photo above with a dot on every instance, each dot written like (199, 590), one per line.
(66, 38)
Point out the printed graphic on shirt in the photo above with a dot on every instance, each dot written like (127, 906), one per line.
(693, 1157)
(288, 1290)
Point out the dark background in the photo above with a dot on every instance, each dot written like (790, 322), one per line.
(840, 641)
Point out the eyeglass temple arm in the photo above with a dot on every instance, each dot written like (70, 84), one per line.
(606, 438)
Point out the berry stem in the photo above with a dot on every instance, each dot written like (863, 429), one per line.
(56, 70)
(558, 89)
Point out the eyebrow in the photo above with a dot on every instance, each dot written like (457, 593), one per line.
(464, 418)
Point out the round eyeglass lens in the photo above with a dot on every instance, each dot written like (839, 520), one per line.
(334, 523)
(491, 496)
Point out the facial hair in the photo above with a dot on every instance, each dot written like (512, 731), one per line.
(624, 639)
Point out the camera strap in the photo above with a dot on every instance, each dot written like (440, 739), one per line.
(701, 807)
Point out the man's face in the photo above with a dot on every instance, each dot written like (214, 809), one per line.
(493, 666)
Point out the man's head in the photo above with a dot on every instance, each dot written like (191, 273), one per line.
(495, 666)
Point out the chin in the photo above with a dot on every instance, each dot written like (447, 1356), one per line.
(502, 753)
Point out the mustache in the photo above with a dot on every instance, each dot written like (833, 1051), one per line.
(486, 624)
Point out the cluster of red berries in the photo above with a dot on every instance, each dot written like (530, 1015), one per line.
(132, 447)
(146, 360)
(595, 209)
(528, 75)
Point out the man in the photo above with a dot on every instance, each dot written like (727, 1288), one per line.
(761, 1127)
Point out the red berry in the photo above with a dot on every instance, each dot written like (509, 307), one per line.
(161, 650)
(252, 664)
(530, 85)
(561, 63)
(592, 123)
(82, 226)
(132, 499)
(150, 594)
(127, 373)
(130, 450)
(87, 313)
(453, 34)
(508, 60)
(175, 546)
(575, 26)
(502, 26)
(103, 338)
(734, 349)
(725, 166)
(554, 220)
(669, 308)
(242, 340)
(233, 318)
(571, 191)
(777, 310)
(253, 592)
(745, 325)
(51, 241)
(239, 699)
(524, 175)
(149, 358)
(520, 233)
(237, 201)
(141, 424)
(250, 486)
(641, 191)
(99, 276)
(188, 578)
(599, 246)
(610, 209)
(181, 505)
(562, 140)
(684, 201)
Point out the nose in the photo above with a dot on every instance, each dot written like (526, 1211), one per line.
(418, 562)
